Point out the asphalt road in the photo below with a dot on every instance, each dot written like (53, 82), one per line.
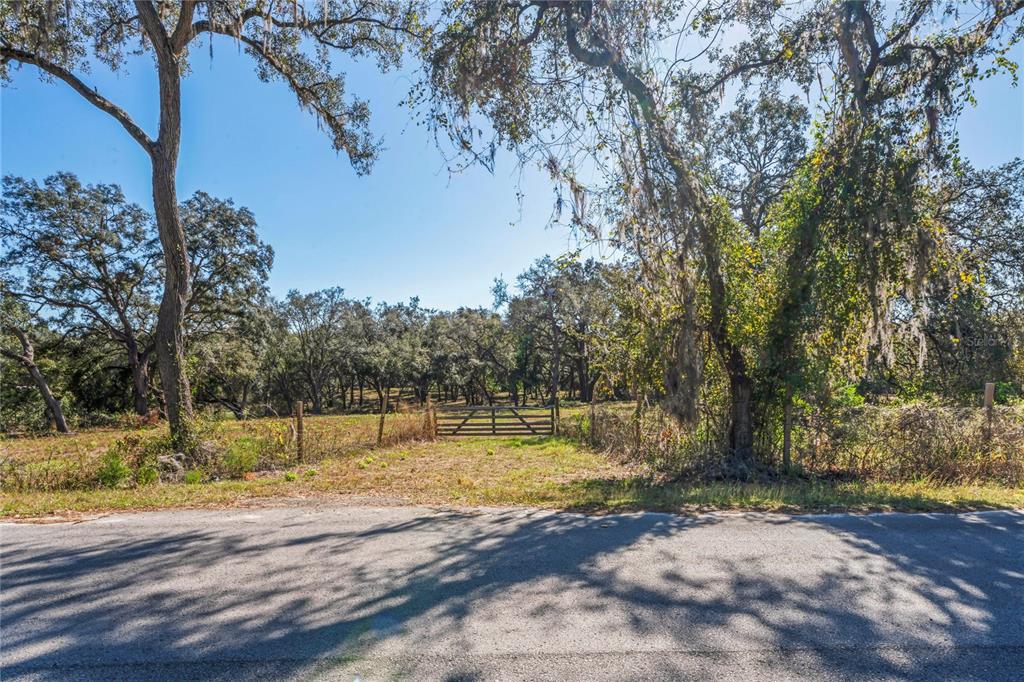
(341, 593)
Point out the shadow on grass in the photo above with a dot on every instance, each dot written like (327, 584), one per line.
(433, 596)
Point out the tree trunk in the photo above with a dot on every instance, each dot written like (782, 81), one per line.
(787, 430)
(170, 329)
(139, 365)
(692, 194)
(52, 403)
(741, 440)
(27, 359)
(244, 405)
(170, 332)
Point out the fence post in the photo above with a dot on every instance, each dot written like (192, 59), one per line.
(555, 416)
(431, 420)
(494, 426)
(298, 430)
(990, 399)
(383, 411)
(787, 430)
(593, 421)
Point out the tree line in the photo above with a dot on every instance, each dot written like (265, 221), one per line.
(81, 271)
(771, 253)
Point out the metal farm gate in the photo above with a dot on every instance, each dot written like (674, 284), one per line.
(492, 420)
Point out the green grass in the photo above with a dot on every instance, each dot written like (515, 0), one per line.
(546, 472)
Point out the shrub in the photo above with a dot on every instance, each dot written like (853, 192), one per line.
(890, 443)
(193, 476)
(943, 444)
(113, 470)
(290, 476)
(139, 451)
(243, 455)
(147, 475)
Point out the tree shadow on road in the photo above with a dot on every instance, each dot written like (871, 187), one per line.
(449, 594)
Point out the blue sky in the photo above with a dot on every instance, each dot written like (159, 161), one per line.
(408, 229)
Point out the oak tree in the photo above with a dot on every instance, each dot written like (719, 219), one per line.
(290, 42)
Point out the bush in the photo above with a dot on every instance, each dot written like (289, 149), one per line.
(942, 444)
(113, 470)
(290, 476)
(905, 443)
(147, 475)
(653, 439)
(193, 476)
(243, 455)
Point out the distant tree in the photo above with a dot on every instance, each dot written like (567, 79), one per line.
(543, 286)
(471, 351)
(288, 41)
(395, 353)
(315, 320)
(91, 257)
(230, 265)
(230, 365)
(93, 260)
(16, 325)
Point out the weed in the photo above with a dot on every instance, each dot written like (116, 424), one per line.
(290, 476)
(147, 475)
(113, 470)
(243, 455)
(193, 476)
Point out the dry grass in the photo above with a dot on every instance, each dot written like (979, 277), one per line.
(541, 471)
(73, 461)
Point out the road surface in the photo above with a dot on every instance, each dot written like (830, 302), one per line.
(413, 593)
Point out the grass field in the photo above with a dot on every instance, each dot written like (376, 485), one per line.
(547, 472)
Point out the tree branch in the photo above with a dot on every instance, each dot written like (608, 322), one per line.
(90, 94)
(154, 29)
(183, 30)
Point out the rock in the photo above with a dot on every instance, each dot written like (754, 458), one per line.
(171, 466)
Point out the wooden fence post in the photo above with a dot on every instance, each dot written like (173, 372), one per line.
(990, 399)
(787, 431)
(383, 411)
(298, 430)
(593, 421)
(430, 419)
(555, 416)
